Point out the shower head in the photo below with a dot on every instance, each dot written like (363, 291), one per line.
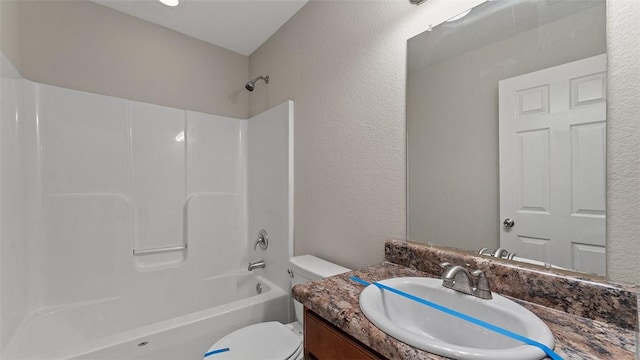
(251, 84)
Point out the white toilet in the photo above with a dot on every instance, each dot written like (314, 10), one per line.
(274, 340)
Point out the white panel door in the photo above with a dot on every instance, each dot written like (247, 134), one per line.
(552, 164)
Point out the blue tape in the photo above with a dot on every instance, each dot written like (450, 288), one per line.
(217, 351)
(462, 316)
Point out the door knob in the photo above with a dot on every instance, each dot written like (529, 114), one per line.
(508, 223)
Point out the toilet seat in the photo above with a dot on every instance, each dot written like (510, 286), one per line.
(268, 340)
(297, 355)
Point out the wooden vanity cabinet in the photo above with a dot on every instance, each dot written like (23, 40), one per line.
(324, 341)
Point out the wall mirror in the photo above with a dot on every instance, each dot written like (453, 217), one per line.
(506, 114)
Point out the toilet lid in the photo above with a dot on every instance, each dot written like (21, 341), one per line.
(269, 340)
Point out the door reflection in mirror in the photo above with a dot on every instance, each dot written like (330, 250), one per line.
(454, 193)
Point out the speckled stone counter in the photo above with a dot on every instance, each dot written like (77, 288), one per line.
(570, 292)
(336, 300)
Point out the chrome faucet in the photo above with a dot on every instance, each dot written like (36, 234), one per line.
(501, 252)
(459, 278)
(504, 254)
(263, 240)
(256, 265)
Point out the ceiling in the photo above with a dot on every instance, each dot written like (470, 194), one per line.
(238, 25)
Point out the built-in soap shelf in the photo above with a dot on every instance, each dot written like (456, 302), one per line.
(159, 258)
(159, 250)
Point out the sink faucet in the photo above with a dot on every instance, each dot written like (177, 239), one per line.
(256, 265)
(501, 252)
(459, 278)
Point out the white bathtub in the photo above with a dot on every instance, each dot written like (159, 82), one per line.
(170, 323)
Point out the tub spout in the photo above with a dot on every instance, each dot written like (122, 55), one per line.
(256, 265)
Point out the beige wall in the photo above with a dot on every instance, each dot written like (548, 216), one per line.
(343, 63)
(84, 46)
(623, 141)
(9, 38)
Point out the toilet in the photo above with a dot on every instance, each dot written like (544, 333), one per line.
(274, 340)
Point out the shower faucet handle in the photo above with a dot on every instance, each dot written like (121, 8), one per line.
(263, 240)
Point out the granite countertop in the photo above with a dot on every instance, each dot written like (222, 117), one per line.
(336, 300)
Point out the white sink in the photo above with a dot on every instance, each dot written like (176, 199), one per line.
(443, 334)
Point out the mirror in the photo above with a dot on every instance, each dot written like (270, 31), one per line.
(506, 113)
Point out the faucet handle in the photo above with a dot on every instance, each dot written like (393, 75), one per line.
(482, 288)
(446, 267)
(263, 240)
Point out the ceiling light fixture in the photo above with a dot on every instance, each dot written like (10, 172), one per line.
(170, 2)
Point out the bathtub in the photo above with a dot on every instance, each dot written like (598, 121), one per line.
(174, 323)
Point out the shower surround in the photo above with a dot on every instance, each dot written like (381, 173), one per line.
(110, 205)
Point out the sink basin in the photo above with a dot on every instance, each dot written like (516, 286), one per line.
(443, 334)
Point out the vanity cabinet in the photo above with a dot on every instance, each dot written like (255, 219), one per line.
(323, 341)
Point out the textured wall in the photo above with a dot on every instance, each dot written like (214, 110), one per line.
(343, 63)
(623, 139)
(9, 37)
(84, 46)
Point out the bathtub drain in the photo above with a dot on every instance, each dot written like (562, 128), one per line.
(143, 343)
(259, 288)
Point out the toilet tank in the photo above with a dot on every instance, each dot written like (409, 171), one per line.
(308, 268)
